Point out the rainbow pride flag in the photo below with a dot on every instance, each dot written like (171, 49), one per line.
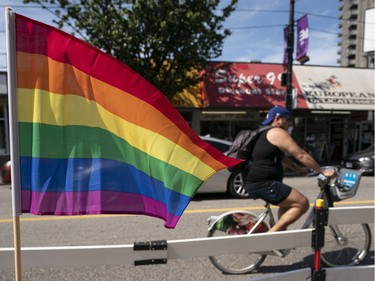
(97, 138)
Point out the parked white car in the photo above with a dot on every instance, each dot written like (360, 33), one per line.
(223, 181)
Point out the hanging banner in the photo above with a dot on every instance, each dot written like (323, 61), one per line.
(303, 39)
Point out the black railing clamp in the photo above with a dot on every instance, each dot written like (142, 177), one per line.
(159, 245)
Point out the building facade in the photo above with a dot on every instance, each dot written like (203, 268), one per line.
(333, 109)
(356, 45)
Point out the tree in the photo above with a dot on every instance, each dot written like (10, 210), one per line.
(166, 41)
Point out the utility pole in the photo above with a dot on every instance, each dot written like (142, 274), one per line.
(290, 49)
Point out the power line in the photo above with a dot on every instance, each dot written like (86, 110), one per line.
(311, 28)
(256, 26)
(49, 7)
(273, 26)
(285, 12)
(300, 12)
(342, 35)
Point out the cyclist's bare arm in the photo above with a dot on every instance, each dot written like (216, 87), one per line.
(280, 138)
(295, 167)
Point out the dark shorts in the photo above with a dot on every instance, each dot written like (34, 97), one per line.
(273, 192)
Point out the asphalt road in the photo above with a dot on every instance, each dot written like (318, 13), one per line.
(45, 231)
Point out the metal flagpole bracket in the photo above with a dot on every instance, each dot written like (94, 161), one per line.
(320, 221)
(159, 245)
(319, 275)
(317, 239)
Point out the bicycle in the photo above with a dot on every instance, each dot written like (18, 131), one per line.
(345, 245)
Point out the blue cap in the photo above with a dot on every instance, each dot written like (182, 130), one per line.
(275, 111)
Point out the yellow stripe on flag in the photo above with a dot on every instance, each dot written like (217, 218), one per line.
(37, 106)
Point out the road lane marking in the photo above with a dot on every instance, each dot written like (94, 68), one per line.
(211, 210)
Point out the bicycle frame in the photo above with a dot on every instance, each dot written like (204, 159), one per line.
(326, 196)
(340, 249)
(323, 194)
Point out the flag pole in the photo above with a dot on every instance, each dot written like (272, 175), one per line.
(13, 133)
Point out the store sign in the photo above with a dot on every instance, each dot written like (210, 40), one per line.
(245, 85)
(337, 88)
(318, 96)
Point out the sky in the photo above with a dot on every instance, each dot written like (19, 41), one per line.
(256, 26)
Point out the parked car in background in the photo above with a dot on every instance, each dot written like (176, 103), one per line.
(5, 173)
(223, 181)
(362, 160)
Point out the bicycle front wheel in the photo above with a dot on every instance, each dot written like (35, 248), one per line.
(236, 263)
(346, 244)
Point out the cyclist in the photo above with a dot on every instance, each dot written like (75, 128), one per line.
(265, 178)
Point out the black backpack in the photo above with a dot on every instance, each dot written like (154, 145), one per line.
(242, 147)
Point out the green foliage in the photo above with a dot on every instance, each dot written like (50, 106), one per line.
(165, 41)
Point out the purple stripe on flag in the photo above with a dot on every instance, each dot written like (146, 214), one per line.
(94, 202)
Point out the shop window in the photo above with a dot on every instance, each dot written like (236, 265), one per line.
(311, 135)
(366, 137)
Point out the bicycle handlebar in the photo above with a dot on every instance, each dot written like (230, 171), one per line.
(323, 180)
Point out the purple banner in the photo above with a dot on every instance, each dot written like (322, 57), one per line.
(303, 39)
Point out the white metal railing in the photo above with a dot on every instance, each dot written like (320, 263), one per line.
(176, 249)
(190, 248)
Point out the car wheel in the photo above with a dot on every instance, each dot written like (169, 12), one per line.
(5, 173)
(235, 186)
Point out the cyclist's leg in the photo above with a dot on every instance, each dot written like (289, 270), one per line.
(291, 209)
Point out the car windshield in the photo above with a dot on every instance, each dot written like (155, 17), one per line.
(220, 146)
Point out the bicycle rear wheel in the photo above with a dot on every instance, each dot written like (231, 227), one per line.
(242, 262)
(346, 244)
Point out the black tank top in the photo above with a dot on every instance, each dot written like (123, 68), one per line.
(267, 161)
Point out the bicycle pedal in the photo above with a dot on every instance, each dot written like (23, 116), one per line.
(211, 219)
(281, 253)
